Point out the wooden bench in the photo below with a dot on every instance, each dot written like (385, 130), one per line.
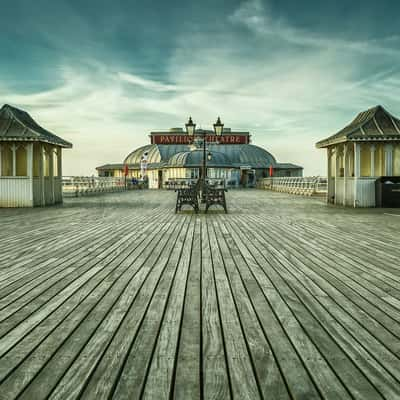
(189, 196)
(210, 196)
(215, 196)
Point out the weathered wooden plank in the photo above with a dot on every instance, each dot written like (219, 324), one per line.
(123, 320)
(109, 372)
(266, 369)
(84, 266)
(187, 383)
(338, 359)
(117, 296)
(349, 293)
(35, 362)
(106, 312)
(216, 376)
(162, 369)
(312, 361)
(112, 268)
(60, 270)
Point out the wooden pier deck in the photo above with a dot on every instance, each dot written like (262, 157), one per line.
(117, 297)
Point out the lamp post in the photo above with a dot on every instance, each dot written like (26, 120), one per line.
(191, 131)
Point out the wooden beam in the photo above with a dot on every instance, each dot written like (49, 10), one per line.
(372, 150)
(41, 174)
(51, 173)
(388, 159)
(346, 172)
(357, 170)
(14, 159)
(29, 167)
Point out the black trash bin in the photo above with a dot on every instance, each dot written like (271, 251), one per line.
(387, 191)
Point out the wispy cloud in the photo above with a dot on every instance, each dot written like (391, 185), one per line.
(146, 83)
(256, 16)
(288, 86)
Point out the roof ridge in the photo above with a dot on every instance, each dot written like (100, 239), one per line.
(360, 123)
(27, 123)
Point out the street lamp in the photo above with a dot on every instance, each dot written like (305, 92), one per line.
(190, 127)
(218, 127)
(191, 131)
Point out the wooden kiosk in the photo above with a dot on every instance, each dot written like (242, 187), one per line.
(30, 161)
(366, 149)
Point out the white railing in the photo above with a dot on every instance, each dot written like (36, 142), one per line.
(180, 183)
(307, 186)
(87, 185)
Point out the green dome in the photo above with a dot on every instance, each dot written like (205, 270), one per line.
(195, 159)
(229, 155)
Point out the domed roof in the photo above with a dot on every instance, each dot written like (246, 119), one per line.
(247, 155)
(153, 155)
(156, 153)
(195, 159)
(230, 155)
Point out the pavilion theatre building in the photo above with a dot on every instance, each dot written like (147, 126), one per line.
(173, 156)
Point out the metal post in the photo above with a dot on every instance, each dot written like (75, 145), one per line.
(14, 159)
(388, 159)
(203, 172)
(372, 168)
(357, 170)
(204, 158)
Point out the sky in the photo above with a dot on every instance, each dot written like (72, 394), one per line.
(102, 74)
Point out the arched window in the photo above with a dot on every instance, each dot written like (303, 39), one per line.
(6, 160)
(36, 159)
(22, 164)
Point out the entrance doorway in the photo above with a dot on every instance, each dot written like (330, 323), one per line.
(160, 179)
(248, 178)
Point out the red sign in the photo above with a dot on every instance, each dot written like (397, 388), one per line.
(186, 139)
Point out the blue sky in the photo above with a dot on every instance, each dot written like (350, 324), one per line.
(103, 74)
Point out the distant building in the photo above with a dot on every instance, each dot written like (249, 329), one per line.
(171, 156)
(30, 161)
(367, 148)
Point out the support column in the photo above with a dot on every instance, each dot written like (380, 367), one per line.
(51, 173)
(357, 160)
(337, 172)
(59, 166)
(357, 170)
(388, 159)
(329, 173)
(372, 150)
(41, 174)
(1, 161)
(59, 161)
(14, 159)
(29, 167)
(346, 173)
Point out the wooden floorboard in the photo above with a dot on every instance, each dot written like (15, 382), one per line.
(118, 297)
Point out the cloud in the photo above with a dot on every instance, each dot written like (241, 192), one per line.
(145, 83)
(289, 87)
(257, 17)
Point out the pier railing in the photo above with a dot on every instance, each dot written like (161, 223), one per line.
(75, 186)
(181, 183)
(306, 186)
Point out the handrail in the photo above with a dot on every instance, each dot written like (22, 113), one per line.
(182, 183)
(311, 185)
(86, 185)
